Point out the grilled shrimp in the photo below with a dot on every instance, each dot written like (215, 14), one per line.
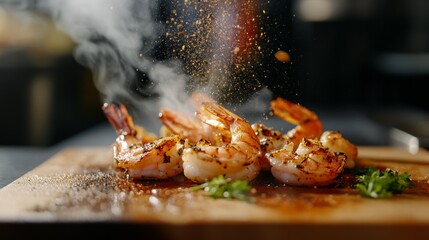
(158, 158)
(308, 124)
(334, 141)
(238, 159)
(311, 164)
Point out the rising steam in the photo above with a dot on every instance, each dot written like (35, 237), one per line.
(115, 39)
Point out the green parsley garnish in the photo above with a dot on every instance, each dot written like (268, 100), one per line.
(377, 184)
(219, 187)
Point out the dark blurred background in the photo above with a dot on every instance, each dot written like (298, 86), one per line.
(370, 55)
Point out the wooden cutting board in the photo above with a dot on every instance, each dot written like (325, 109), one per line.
(81, 185)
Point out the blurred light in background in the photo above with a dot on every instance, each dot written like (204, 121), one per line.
(45, 96)
(320, 10)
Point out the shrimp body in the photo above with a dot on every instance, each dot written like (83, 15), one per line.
(335, 142)
(159, 159)
(308, 124)
(238, 159)
(310, 165)
(140, 155)
(269, 140)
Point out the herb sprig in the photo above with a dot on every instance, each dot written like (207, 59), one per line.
(219, 187)
(377, 184)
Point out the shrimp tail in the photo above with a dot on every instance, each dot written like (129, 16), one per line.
(291, 112)
(119, 118)
(308, 124)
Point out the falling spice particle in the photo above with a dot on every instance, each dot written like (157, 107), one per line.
(236, 50)
(282, 56)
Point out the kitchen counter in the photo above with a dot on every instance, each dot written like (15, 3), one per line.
(16, 161)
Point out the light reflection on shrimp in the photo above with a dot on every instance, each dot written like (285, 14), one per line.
(143, 156)
(238, 159)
